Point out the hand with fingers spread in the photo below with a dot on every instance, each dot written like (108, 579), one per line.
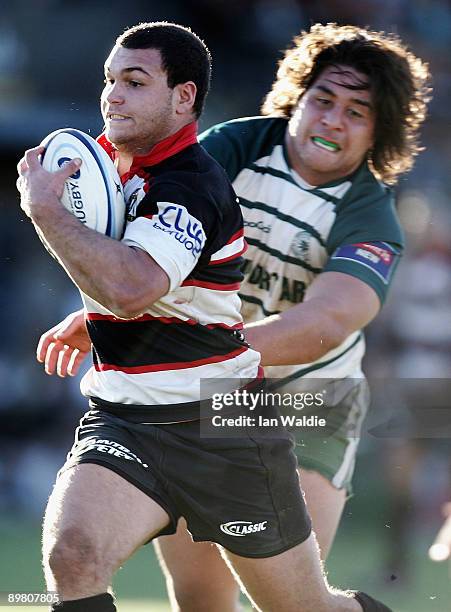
(39, 189)
(64, 347)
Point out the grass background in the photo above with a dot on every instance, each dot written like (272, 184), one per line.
(356, 562)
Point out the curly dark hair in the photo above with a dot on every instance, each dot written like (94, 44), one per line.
(398, 82)
(185, 57)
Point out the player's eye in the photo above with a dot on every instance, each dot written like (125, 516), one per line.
(323, 101)
(355, 114)
(108, 81)
(135, 84)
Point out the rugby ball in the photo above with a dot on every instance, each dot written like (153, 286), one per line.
(94, 193)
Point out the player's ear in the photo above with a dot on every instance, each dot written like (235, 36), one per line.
(185, 97)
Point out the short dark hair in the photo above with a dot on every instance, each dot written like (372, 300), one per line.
(398, 82)
(185, 57)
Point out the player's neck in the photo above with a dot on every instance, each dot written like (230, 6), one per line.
(124, 162)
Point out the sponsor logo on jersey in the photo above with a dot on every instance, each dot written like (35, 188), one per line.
(183, 227)
(257, 225)
(379, 252)
(376, 256)
(242, 528)
(290, 289)
(301, 244)
(110, 447)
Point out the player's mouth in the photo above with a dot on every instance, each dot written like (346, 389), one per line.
(327, 145)
(116, 117)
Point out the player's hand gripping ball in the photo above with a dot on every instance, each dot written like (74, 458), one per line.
(94, 193)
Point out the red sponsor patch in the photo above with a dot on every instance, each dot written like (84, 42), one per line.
(384, 254)
(376, 256)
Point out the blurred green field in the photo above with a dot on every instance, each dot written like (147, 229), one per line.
(356, 562)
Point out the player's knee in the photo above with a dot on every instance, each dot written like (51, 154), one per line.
(73, 557)
(189, 596)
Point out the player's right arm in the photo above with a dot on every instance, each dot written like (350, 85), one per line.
(63, 348)
(123, 280)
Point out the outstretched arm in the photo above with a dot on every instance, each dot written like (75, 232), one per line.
(335, 305)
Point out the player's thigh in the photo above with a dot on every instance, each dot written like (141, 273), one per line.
(197, 576)
(93, 505)
(331, 450)
(325, 504)
(327, 455)
(293, 577)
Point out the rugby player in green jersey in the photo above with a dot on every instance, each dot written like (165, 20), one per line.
(324, 242)
(313, 176)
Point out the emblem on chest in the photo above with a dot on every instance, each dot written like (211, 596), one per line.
(133, 201)
(301, 246)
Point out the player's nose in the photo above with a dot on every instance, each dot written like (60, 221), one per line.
(114, 94)
(333, 117)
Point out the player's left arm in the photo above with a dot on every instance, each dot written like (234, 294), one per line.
(123, 279)
(335, 305)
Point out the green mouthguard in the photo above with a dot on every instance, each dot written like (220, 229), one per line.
(326, 143)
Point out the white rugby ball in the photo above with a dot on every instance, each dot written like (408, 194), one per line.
(94, 193)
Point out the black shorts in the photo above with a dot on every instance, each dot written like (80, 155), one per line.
(242, 493)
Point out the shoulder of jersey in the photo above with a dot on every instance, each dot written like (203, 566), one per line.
(94, 193)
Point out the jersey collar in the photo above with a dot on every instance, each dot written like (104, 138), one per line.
(167, 147)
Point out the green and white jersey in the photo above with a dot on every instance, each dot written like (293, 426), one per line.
(296, 231)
